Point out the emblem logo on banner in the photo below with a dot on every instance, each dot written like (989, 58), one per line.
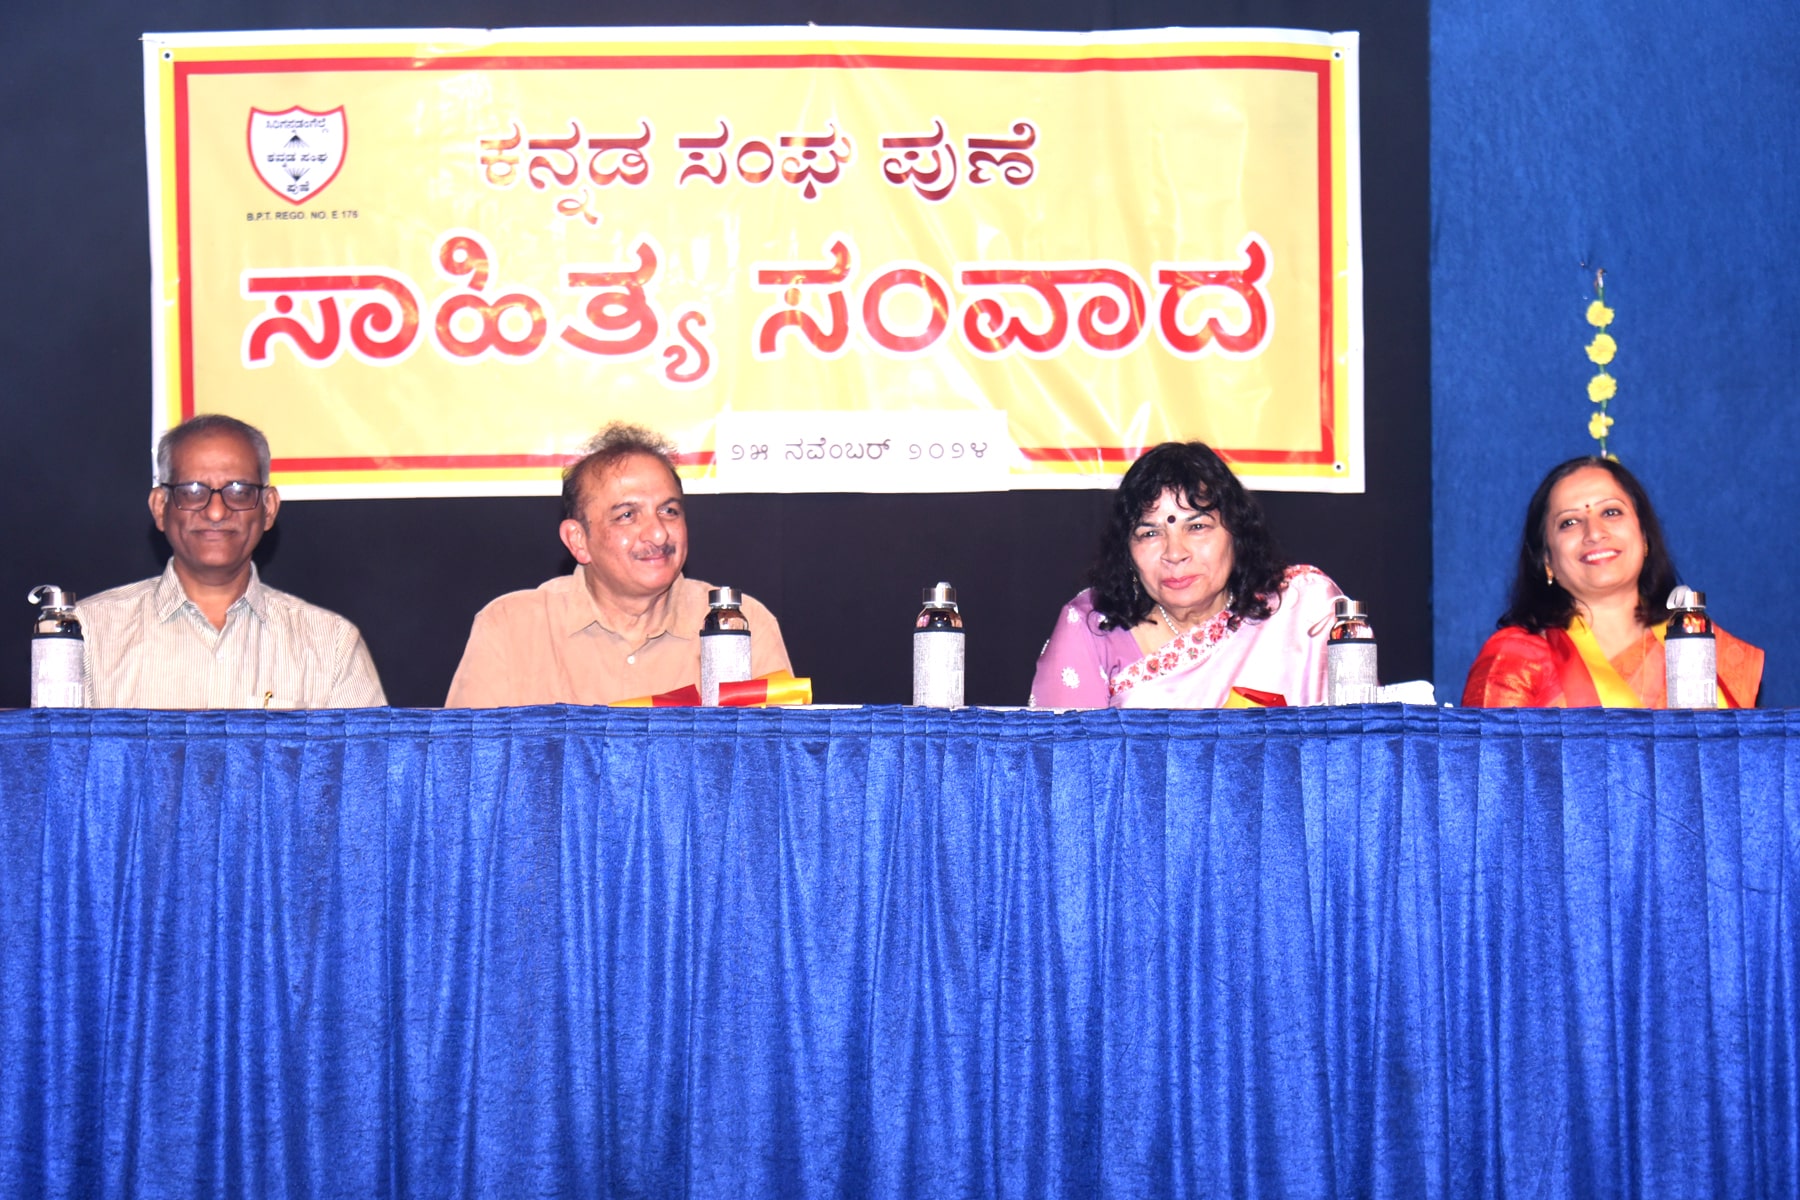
(298, 152)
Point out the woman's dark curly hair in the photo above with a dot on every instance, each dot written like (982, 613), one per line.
(1538, 604)
(1204, 483)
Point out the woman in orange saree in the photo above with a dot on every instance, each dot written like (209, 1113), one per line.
(1589, 604)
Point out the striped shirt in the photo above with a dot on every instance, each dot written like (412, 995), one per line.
(149, 646)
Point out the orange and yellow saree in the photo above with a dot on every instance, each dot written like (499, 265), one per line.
(1565, 668)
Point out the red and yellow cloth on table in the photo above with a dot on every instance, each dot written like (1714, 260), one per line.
(1243, 697)
(765, 691)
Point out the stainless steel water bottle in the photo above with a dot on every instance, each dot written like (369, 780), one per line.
(1690, 652)
(1350, 674)
(58, 672)
(938, 650)
(724, 643)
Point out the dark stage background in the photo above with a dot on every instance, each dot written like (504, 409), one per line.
(842, 572)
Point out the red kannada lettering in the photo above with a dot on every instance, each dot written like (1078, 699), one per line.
(807, 160)
(565, 147)
(937, 319)
(698, 147)
(688, 345)
(908, 165)
(1007, 154)
(462, 255)
(1246, 282)
(988, 329)
(1113, 320)
(633, 165)
(499, 163)
(755, 148)
(820, 157)
(793, 279)
(619, 306)
(577, 206)
(382, 327)
(1109, 322)
(1103, 303)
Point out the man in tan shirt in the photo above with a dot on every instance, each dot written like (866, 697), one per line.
(625, 623)
(207, 632)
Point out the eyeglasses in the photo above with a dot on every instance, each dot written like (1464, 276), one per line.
(238, 495)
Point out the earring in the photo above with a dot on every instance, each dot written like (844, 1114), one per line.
(1549, 576)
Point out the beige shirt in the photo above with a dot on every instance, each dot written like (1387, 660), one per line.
(550, 646)
(149, 646)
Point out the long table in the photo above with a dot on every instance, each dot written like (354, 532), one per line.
(895, 952)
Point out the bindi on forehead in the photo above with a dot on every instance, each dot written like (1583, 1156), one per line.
(1174, 516)
(1588, 506)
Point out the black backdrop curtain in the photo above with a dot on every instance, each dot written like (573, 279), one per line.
(888, 952)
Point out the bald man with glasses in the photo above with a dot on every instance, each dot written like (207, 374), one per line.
(207, 632)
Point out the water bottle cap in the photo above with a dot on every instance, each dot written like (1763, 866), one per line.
(1344, 607)
(940, 595)
(1685, 597)
(724, 597)
(51, 596)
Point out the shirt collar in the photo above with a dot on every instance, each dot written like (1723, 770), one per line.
(170, 595)
(579, 610)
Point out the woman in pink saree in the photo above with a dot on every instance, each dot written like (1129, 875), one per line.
(1191, 603)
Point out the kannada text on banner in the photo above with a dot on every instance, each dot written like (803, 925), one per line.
(816, 259)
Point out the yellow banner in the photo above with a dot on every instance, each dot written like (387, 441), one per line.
(435, 263)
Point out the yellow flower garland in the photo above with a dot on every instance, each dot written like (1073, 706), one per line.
(1602, 387)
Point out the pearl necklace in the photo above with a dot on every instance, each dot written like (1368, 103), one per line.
(1180, 630)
